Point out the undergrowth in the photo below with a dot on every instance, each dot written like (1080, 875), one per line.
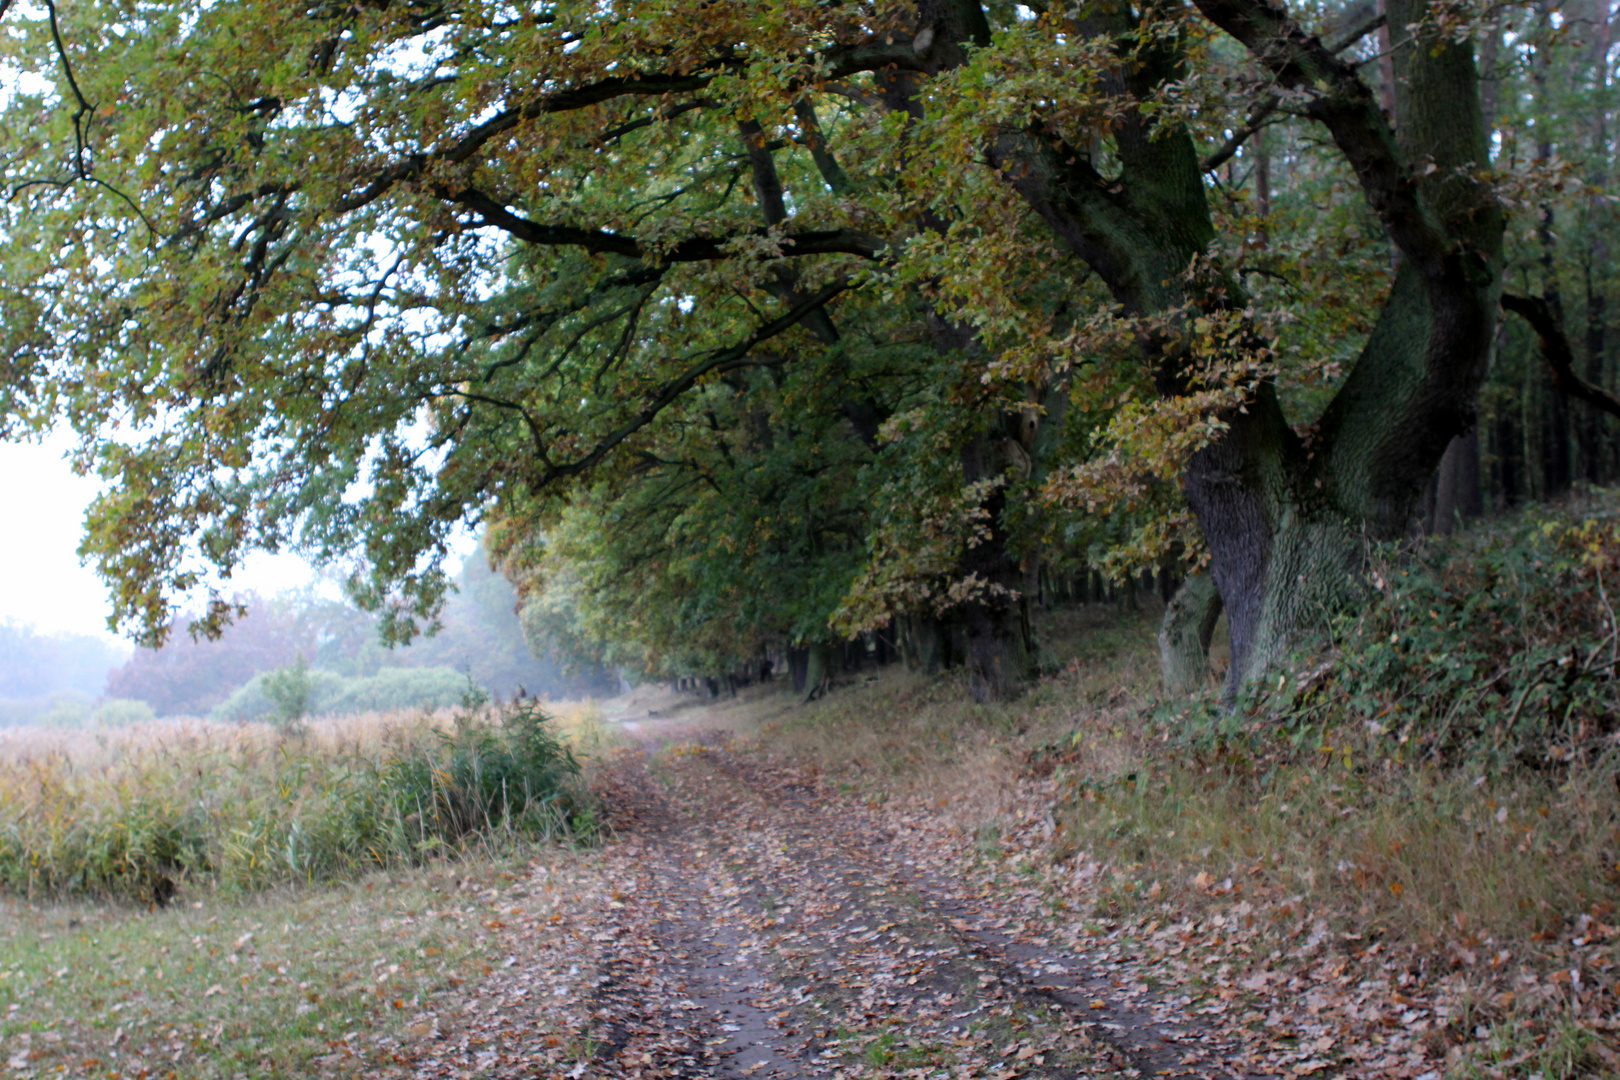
(238, 810)
(1443, 777)
(1436, 790)
(1492, 652)
(1450, 761)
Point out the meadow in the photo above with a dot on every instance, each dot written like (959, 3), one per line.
(201, 899)
(146, 811)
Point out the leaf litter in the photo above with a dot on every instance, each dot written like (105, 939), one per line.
(754, 923)
(751, 921)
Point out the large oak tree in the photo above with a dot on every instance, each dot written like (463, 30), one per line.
(349, 273)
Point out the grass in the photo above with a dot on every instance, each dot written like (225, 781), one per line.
(936, 747)
(330, 980)
(143, 811)
(1494, 874)
(260, 966)
(1409, 853)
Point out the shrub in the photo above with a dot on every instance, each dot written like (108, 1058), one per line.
(273, 694)
(121, 712)
(291, 690)
(484, 778)
(251, 701)
(398, 688)
(1498, 649)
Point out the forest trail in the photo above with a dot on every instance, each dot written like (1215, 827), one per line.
(763, 927)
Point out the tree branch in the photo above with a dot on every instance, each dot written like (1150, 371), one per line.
(831, 172)
(836, 63)
(81, 141)
(1357, 33)
(1259, 117)
(1349, 110)
(1555, 349)
(719, 362)
(692, 249)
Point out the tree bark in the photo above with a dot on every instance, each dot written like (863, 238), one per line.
(1000, 640)
(1184, 636)
(1599, 45)
(798, 669)
(1286, 523)
(1457, 494)
(820, 669)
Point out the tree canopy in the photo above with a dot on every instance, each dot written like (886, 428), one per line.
(757, 323)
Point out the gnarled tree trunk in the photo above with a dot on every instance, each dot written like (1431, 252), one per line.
(1185, 634)
(1287, 523)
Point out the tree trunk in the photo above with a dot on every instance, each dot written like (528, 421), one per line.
(1000, 642)
(1592, 422)
(819, 670)
(1286, 522)
(1457, 495)
(798, 668)
(1593, 425)
(924, 644)
(1509, 478)
(1555, 424)
(1184, 636)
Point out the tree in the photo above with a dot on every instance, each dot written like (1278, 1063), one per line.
(35, 665)
(188, 676)
(348, 274)
(289, 690)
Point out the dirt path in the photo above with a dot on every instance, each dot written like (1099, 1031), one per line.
(761, 927)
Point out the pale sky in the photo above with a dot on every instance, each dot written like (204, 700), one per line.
(45, 586)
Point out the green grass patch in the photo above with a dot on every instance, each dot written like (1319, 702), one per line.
(317, 981)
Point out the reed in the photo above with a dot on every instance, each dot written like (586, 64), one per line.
(142, 811)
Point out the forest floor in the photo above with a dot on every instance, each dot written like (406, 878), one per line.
(894, 881)
(757, 917)
(759, 923)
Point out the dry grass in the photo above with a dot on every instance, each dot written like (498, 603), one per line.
(894, 735)
(1493, 888)
(139, 810)
(276, 980)
(331, 981)
(1419, 855)
(177, 738)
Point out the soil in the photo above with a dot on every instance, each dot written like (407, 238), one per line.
(758, 924)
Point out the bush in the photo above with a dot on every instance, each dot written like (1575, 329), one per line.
(398, 688)
(292, 691)
(1497, 649)
(484, 778)
(65, 709)
(251, 701)
(268, 696)
(121, 712)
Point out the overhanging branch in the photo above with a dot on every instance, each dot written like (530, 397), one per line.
(1556, 351)
(81, 114)
(1259, 117)
(692, 249)
(717, 363)
(838, 62)
(1342, 102)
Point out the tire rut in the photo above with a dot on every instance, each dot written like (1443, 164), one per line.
(799, 942)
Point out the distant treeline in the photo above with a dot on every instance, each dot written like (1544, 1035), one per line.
(34, 665)
(57, 679)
